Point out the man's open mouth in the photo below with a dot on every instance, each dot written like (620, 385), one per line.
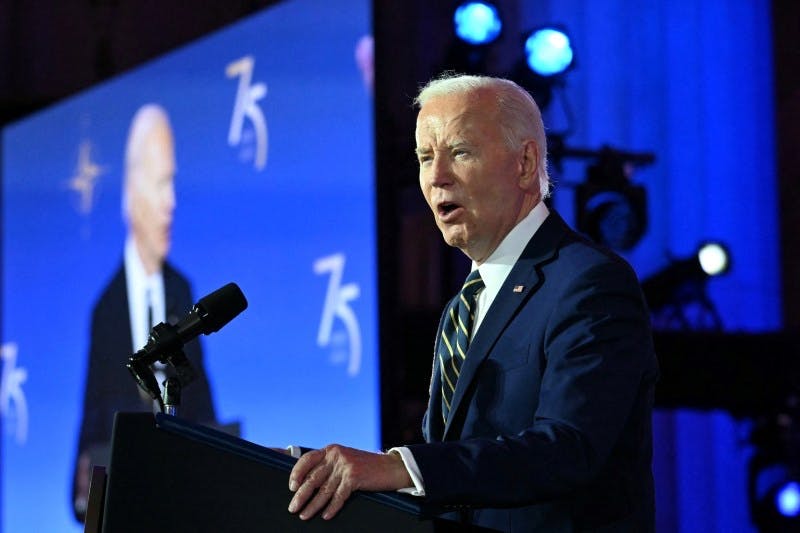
(445, 208)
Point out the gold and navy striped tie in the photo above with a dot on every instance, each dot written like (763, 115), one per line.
(455, 336)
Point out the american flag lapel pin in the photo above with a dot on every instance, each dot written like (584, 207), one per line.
(519, 288)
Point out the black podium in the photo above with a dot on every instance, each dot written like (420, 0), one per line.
(166, 474)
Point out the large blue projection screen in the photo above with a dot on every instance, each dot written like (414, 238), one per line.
(273, 189)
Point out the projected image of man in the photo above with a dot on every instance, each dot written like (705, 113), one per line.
(145, 290)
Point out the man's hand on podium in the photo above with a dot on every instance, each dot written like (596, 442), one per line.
(325, 478)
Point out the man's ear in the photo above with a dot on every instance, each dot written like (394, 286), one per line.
(529, 166)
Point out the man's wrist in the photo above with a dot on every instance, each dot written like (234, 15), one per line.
(416, 487)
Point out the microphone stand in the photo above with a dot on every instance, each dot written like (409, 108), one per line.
(144, 376)
(172, 396)
(165, 346)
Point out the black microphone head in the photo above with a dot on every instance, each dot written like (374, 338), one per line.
(220, 307)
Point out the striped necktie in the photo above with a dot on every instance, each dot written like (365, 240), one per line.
(455, 337)
(149, 299)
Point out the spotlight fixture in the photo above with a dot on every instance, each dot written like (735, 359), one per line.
(677, 294)
(773, 477)
(548, 51)
(775, 503)
(610, 208)
(477, 23)
(787, 499)
(546, 55)
(714, 258)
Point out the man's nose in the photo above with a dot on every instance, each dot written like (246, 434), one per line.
(440, 172)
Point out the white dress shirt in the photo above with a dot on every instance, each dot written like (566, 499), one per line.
(143, 291)
(141, 288)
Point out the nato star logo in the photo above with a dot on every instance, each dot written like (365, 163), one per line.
(85, 178)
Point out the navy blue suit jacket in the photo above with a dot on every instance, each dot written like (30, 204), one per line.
(550, 427)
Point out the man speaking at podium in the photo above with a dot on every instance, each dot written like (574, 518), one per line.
(539, 416)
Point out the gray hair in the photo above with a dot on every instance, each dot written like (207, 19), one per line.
(146, 119)
(520, 118)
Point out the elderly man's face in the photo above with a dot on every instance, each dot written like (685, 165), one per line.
(152, 195)
(477, 187)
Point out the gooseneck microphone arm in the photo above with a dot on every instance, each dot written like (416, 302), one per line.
(166, 341)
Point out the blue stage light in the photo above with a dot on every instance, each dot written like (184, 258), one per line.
(548, 51)
(477, 22)
(788, 499)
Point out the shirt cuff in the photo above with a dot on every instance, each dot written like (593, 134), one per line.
(413, 471)
(294, 451)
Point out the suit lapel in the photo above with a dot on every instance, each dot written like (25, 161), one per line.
(523, 280)
(173, 313)
(432, 424)
(119, 288)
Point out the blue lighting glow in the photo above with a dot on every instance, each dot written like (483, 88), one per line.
(788, 499)
(548, 52)
(477, 22)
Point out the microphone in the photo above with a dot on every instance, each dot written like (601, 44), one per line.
(212, 312)
(166, 341)
(208, 315)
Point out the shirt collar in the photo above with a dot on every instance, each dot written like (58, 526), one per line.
(496, 268)
(135, 271)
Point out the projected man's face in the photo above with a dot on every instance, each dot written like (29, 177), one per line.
(151, 195)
